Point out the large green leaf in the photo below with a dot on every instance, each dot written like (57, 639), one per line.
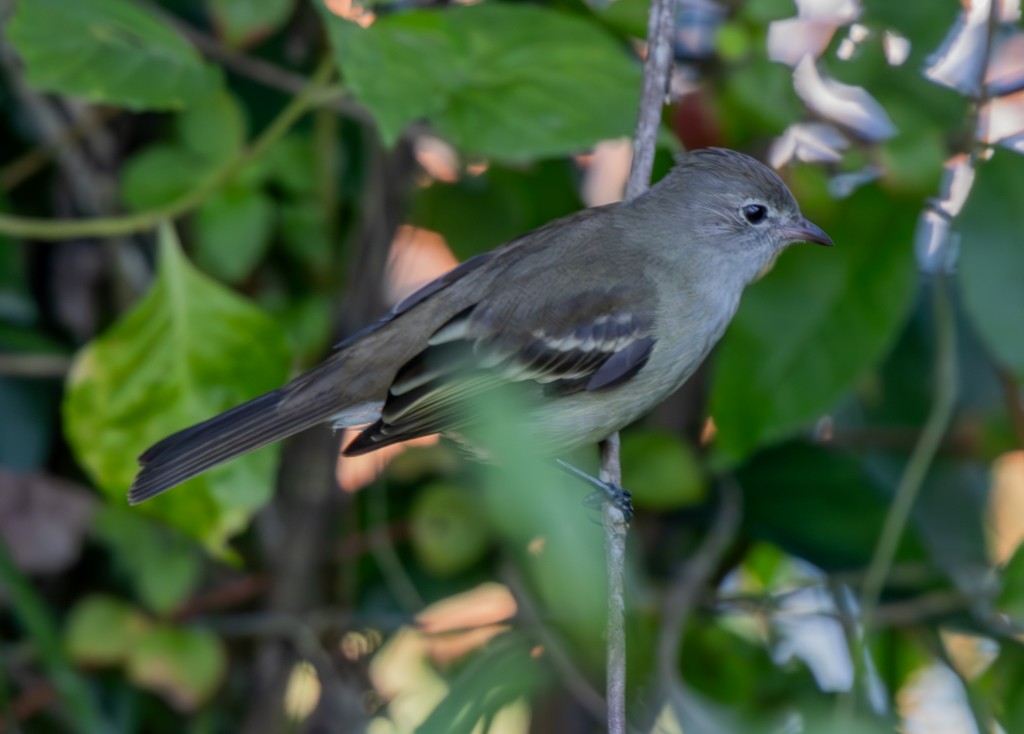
(815, 323)
(992, 257)
(818, 504)
(241, 22)
(108, 51)
(190, 349)
(500, 80)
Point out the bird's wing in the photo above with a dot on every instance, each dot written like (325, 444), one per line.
(592, 341)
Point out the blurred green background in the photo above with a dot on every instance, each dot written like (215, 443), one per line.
(197, 199)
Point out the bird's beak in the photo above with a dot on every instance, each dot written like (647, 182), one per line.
(806, 231)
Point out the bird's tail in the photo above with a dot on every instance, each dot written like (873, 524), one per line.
(192, 451)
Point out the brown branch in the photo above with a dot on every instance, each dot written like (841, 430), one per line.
(40, 366)
(661, 18)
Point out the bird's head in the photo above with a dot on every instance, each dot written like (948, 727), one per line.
(740, 204)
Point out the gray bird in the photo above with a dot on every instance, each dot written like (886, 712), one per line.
(595, 318)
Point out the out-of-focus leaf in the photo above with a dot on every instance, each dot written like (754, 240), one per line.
(162, 564)
(183, 665)
(307, 322)
(923, 25)
(727, 669)
(497, 676)
(743, 113)
(304, 233)
(477, 213)
(914, 158)
(1011, 597)
(660, 470)
(291, 163)
(189, 350)
(1002, 683)
(815, 323)
(243, 22)
(160, 175)
(214, 129)
(447, 531)
(626, 16)
(108, 51)
(102, 630)
(505, 81)
(817, 504)
(43, 519)
(762, 12)
(537, 512)
(233, 229)
(992, 257)
(949, 518)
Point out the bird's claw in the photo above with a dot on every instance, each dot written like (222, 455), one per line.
(607, 493)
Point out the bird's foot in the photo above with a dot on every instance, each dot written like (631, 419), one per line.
(607, 493)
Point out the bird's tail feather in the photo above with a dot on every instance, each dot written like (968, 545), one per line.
(192, 451)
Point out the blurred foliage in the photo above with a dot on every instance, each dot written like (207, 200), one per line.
(224, 606)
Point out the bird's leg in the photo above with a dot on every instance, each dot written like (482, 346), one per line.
(606, 491)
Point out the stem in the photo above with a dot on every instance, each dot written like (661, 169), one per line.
(660, 20)
(54, 230)
(921, 459)
(615, 528)
(656, 76)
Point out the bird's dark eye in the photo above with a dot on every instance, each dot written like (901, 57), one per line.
(755, 213)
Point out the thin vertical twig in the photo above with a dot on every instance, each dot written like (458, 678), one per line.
(909, 487)
(615, 527)
(656, 76)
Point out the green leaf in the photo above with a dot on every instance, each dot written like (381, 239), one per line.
(815, 323)
(1002, 683)
(233, 229)
(292, 164)
(162, 563)
(819, 505)
(159, 175)
(102, 630)
(447, 530)
(992, 257)
(660, 470)
(506, 81)
(188, 350)
(185, 666)
(1011, 597)
(214, 129)
(626, 16)
(108, 51)
(244, 22)
(304, 234)
(501, 673)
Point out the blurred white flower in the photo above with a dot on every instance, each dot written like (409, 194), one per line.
(849, 106)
